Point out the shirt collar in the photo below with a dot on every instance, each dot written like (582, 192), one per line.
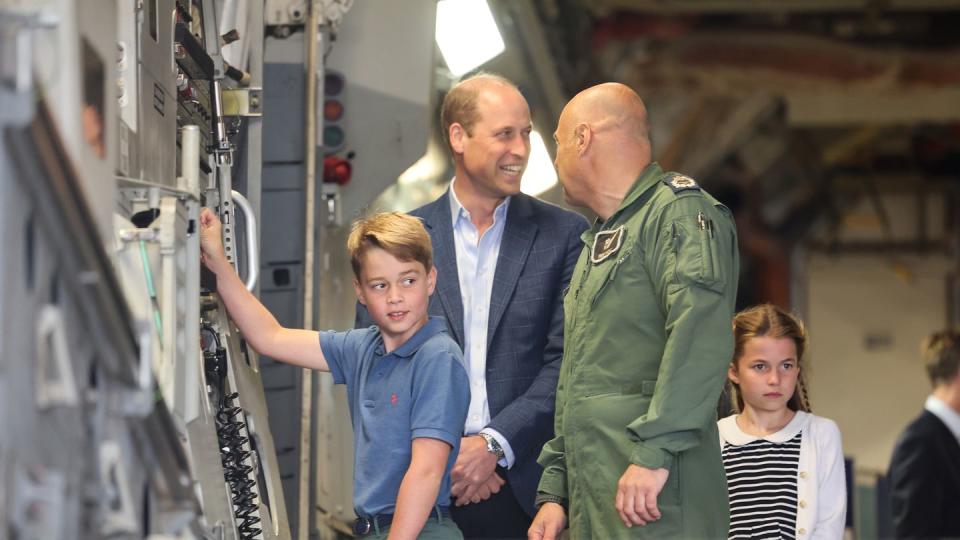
(457, 211)
(734, 435)
(434, 326)
(945, 413)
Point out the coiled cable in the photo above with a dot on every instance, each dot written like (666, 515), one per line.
(230, 436)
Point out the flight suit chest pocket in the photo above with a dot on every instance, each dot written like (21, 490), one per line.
(606, 274)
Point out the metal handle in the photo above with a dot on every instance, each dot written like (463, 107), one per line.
(253, 256)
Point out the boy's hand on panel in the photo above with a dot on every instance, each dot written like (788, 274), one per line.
(212, 253)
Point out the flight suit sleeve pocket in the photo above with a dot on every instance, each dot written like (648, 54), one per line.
(695, 250)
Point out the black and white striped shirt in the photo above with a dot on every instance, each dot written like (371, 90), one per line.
(762, 481)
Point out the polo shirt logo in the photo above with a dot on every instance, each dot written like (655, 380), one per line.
(393, 398)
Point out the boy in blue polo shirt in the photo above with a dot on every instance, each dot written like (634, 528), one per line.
(407, 388)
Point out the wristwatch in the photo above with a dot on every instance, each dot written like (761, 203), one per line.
(493, 446)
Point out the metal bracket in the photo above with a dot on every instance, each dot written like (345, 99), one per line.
(37, 502)
(17, 27)
(330, 194)
(242, 102)
(119, 516)
(55, 383)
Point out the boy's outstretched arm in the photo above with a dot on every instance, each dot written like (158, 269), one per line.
(259, 326)
(419, 488)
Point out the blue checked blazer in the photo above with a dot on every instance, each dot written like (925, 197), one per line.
(540, 246)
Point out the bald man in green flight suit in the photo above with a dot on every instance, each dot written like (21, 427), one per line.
(647, 339)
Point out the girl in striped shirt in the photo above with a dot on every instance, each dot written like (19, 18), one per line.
(784, 465)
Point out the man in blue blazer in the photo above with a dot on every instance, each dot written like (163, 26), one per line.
(925, 468)
(503, 262)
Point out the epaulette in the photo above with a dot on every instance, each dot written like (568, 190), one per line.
(679, 182)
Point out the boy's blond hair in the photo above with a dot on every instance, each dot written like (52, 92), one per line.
(400, 235)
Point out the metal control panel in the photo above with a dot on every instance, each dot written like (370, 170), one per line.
(131, 407)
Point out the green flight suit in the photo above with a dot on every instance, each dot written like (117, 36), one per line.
(647, 342)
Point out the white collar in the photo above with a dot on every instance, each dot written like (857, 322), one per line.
(945, 413)
(457, 210)
(732, 433)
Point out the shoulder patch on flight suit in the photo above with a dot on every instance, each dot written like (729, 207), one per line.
(679, 182)
(606, 243)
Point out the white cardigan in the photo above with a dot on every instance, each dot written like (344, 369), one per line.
(821, 484)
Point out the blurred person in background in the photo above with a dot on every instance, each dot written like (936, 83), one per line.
(925, 468)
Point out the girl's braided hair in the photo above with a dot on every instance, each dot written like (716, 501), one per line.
(768, 320)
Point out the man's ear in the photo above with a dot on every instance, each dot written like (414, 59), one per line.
(359, 291)
(584, 137)
(456, 133)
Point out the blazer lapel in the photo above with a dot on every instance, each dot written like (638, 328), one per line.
(439, 224)
(518, 235)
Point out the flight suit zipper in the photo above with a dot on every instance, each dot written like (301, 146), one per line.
(570, 341)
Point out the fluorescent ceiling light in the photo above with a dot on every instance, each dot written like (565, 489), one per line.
(539, 175)
(467, 34)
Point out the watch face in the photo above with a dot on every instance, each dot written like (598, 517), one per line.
(493, 446)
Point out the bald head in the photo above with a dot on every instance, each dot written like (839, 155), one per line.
(610, 106)
(602, 145)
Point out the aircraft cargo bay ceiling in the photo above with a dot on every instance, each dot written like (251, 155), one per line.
(793, 112)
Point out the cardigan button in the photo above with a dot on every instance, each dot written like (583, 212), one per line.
(803, 504)
(802, 531)
(803, 474)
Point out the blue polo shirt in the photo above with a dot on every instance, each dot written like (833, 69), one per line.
(418, 390)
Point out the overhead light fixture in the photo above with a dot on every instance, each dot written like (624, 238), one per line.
(539, 175)
(467, 34)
